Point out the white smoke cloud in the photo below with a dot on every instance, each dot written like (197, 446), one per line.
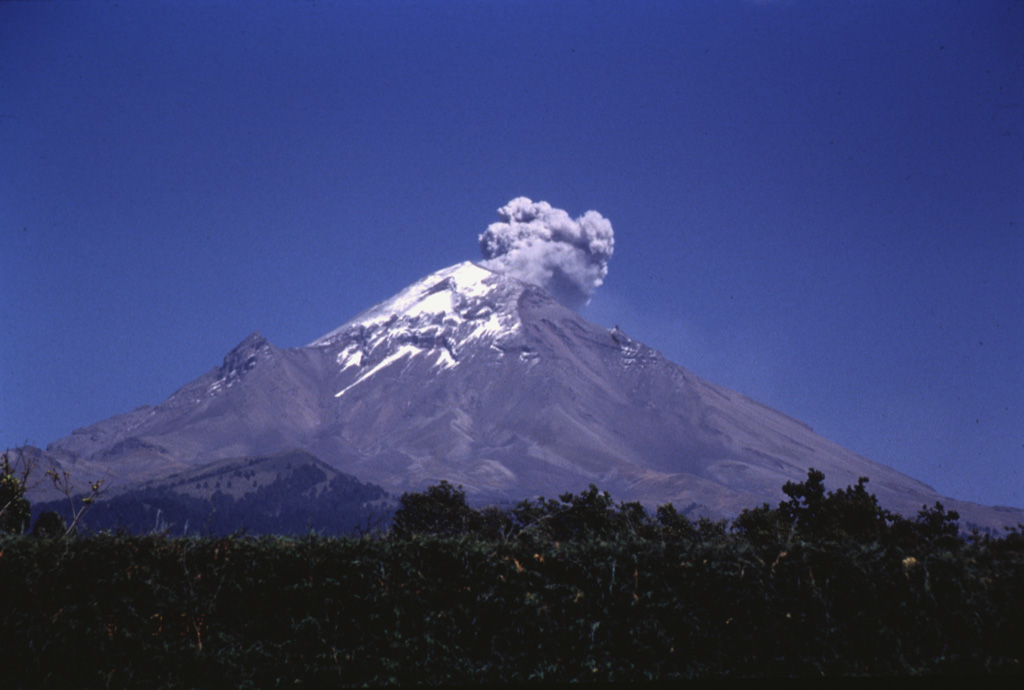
(544, 246)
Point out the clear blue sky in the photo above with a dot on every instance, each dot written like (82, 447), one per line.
(818, 204)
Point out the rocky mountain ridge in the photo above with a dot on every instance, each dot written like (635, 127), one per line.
(485, 381)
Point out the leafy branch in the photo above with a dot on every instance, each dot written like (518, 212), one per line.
(62, 482)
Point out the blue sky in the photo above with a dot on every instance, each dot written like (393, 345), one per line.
(818, 204)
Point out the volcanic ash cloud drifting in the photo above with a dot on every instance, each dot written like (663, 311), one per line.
(544, 246)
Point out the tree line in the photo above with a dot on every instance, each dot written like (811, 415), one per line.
(576, 588)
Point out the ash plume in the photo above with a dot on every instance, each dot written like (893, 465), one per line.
(539, 244)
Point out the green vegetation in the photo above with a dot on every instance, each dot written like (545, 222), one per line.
(14, 507)
(574, 589)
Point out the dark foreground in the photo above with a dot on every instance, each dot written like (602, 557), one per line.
(571, 590)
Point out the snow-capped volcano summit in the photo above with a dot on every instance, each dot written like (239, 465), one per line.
(483, 380)
(437, 317)
(449, 294)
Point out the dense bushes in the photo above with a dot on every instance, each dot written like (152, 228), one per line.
(568, 590)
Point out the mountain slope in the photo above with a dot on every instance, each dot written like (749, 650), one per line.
(486, 381)
(288, 493)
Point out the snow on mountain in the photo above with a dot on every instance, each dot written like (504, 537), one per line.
(436, 317)
(444, 293)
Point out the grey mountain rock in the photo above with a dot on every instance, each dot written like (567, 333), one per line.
(488, 382)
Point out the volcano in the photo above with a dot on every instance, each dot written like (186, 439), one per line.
(483, 380)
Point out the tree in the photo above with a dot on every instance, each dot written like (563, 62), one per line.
(937, 523)
(636, 521)
(674, 525)
(814, 514)
(933, 525)
(587, 514)
(763, 525)
(493, 523)
(439, 510)
(49, 524)
(591, 514)
(15, 510)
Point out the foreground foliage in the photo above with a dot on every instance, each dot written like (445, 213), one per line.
(568, 590)
(14, 507)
